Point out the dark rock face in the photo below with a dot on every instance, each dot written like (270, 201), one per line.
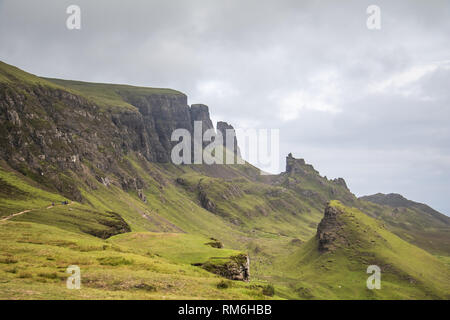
(236, 268)
(299, 166)
(200, 112)
(117, 226)
(215, 243)
(51, 134)
(223, 127)
(206, 203)
(327, 230)
(340, 182)
(161, 115)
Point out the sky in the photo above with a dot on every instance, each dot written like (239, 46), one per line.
(371, 106)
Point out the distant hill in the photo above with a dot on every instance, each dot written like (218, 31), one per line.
(413, 221)
(396, 200)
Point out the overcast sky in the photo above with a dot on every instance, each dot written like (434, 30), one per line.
(372, 106)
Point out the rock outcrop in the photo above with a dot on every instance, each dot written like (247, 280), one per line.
(200, 112)
(340, 182)
(225, 128)
(328, 229)
(234, 268)
(299, 166)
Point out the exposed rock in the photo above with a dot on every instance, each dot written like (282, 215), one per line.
(105, 181)
(141, 195)
(234, 268)
(299, 166)
(14, 117)
(228, 132)
(116, 226)
(296, 242)
(181, 182)
(200, 113)
(327, 230)
(51, 130)
(215, 243)
(161, 115)
(206, 202)
(340, 182)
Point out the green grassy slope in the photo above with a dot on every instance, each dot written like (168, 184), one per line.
(18, 193)
(131, 248)
(34, 259)
(413, 222)
(407, 272)
(109, 95)
(10, 74)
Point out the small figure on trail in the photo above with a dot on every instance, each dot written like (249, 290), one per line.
(53, 204)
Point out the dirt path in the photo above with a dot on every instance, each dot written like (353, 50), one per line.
(14, 215)
(25, 211)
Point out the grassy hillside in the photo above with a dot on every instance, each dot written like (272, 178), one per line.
(13, 75)
(34, 259)
(109, 95)
(414, 222)
(407, 272)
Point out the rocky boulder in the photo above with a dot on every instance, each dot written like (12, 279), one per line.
(328, 229)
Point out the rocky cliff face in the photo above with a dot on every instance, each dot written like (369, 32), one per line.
(328, 230)
(46, 131)
(299, 167)
(161, 114)
(200, 112)
(235, 268)
(57, 136)
(294, 165)
(308, 182)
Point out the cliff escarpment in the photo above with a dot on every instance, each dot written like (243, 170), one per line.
(51, 129)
